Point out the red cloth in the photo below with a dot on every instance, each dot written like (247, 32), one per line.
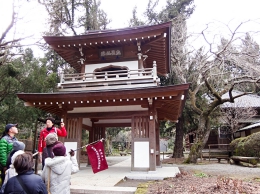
(97, 157)
(62, 132)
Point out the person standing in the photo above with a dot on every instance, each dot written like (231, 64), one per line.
(59, 170)
(51, 140)
(10, 172)
(17, 145)
(6, 145)
(50, 128)
(26, 181)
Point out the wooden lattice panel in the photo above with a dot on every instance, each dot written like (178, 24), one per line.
(72, 129)
(140, 127)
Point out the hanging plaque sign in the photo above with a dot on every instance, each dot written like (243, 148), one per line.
(111, 53)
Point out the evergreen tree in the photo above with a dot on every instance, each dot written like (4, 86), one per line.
(23, 74)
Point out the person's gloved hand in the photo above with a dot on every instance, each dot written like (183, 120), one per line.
(72, 153)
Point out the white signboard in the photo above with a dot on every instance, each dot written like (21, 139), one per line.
(71, 145)
(141, 154)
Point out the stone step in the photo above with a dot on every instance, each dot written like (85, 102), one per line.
(102, 190)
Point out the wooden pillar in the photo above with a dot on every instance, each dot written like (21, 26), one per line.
(74, 133)
(79, 135)
(140, 62)
(132, 142)
(96, 133)
(91, 132)
(82, 68)
(103, 135)
(139, 56)
(158, 156)
(152, 135)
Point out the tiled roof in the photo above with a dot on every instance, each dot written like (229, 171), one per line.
(250, 120)
(250, 126)
(249, 100)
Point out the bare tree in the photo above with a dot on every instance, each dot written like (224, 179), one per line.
(9, 47)
(224, 67)
(125, 137)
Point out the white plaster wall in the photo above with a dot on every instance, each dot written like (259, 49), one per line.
(87, 121)
(132, 65)
(141, 154)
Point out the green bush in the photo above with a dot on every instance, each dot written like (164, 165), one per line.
(246, 146)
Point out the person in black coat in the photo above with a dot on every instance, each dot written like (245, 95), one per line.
(31, 182)
(51, 140)
(17, 145)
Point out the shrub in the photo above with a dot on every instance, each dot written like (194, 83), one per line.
(246, 146)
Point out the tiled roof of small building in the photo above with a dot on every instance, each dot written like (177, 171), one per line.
(249, 100)
(255, 125)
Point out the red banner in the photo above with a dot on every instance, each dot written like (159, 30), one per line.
(97, 157)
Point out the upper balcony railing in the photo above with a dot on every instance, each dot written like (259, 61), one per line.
(109, 79)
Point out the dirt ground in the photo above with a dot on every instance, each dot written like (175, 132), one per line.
(205, 177)
(187, 182)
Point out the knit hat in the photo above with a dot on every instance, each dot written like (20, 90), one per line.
(51, 138)
(9, 126)
(59, 150)
(14, 156)
(18, 145)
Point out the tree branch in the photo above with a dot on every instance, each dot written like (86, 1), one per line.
(9, 26)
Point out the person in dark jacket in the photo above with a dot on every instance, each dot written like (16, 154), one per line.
(50, 128)
(33, 183)
(6, 145)
(17, 145)
(51, 140)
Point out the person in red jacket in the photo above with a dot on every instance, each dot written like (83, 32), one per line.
(50, 128)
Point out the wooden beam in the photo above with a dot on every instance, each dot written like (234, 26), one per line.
(113, 124)
(125, 114)
(104, 103)
(158, 38)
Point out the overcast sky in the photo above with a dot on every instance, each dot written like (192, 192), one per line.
(219, 12)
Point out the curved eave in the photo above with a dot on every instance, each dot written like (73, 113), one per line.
(151, 36)
(169, 100)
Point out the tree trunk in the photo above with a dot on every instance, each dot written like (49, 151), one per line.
(178, 147)
(109, 146)
(202, 137)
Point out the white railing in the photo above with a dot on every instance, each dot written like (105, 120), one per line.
(118, 77)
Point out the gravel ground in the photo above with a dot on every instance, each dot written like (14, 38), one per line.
(221, 169)
(213, 170)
